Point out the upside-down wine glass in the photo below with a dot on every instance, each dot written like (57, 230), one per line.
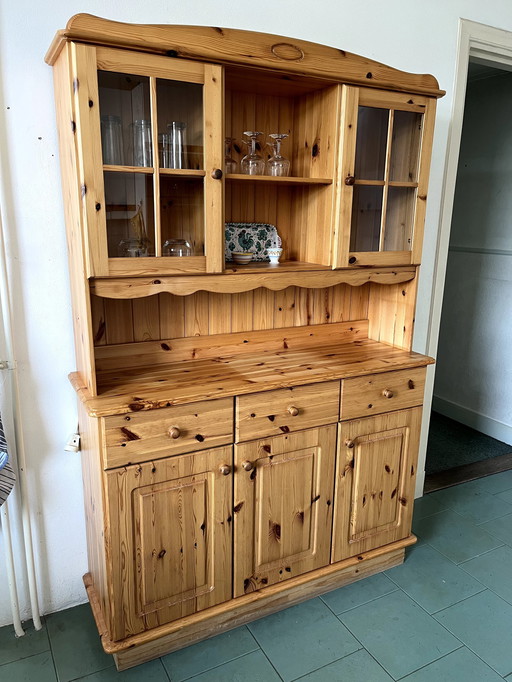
(252, 163)
(277, 164)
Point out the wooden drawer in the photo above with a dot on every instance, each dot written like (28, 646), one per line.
(286, 410)
(386, 392)
(167, 431)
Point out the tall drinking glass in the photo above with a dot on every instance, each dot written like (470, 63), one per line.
(112, 140)
(177, 142)
(142, 152)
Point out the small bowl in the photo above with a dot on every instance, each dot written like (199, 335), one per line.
(242, 257)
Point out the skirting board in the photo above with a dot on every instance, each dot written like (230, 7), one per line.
(205, 624)
(480, 422)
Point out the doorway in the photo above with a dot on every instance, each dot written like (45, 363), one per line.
(470, 432)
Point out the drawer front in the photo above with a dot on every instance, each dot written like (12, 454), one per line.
(168, 431)
(386, 392)
(286, 410)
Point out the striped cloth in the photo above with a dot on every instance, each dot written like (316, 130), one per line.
(7, 475)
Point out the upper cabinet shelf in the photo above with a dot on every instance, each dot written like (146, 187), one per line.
(159, 182)
(238, 177)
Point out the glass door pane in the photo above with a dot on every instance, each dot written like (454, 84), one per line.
(180, 124)
(130, 214)
(366, 218)
(182, 216)
(125, 119)
(399, 218)
(405, 146)
(371, 142)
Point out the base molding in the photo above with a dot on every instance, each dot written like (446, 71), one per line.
(159, 641)
(475, 420)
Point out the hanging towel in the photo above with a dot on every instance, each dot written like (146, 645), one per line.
(7, 475)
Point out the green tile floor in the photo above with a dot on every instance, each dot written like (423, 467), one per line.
(445, 615)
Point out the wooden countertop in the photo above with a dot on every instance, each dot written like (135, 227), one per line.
(146, 388)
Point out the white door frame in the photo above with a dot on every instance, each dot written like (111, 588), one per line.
(486, 45)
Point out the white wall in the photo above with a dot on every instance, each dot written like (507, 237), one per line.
(474, 369)
(413, 36)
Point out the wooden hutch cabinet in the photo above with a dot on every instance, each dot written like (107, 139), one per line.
(249, 433)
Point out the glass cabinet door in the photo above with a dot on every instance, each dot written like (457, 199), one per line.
(159, 163)
(383, 177)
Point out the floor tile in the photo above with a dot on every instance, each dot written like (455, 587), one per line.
(303, 638)
(13, 648)
(358, 667)
(484, 624)
(38, 667)
(497, 483)
(500, 528)
(426, 506)
(432, 580)
(506, 496)
(76, 644)
(494, 570)
(455, 536)
(254, 667)
(153, 671)
(208, 654)
(460, 666)
(476, 505)
(358, 593)
(399, 634)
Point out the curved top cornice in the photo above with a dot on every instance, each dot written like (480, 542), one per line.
(235, 46)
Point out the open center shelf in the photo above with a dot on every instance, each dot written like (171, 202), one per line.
(284, 358)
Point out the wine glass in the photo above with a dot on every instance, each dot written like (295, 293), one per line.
(252, 163)
(230, 164)
(278, 165)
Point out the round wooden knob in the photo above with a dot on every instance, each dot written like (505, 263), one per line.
(217, 174)
(174, 432)
(349, 180)
(294, 411)
(225, 469)
(349, 443)
(387, 393)
(247, 466)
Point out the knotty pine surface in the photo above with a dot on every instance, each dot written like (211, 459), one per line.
(165, 316)
(146, 388)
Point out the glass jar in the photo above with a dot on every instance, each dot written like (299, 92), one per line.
(178, 247)
(132, 247)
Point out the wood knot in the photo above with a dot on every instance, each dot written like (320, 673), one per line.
(274, 531)
(162, 553)
(129, 434)
(287, 51)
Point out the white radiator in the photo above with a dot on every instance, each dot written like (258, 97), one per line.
(17, 504)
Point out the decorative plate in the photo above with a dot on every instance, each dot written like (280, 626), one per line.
(255, 238)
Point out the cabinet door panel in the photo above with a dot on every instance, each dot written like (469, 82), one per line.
(376, 470)
(383, 177)
(170, 539)
(150, 136)
(283, 507)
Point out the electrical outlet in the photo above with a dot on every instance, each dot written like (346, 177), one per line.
(73, 443)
